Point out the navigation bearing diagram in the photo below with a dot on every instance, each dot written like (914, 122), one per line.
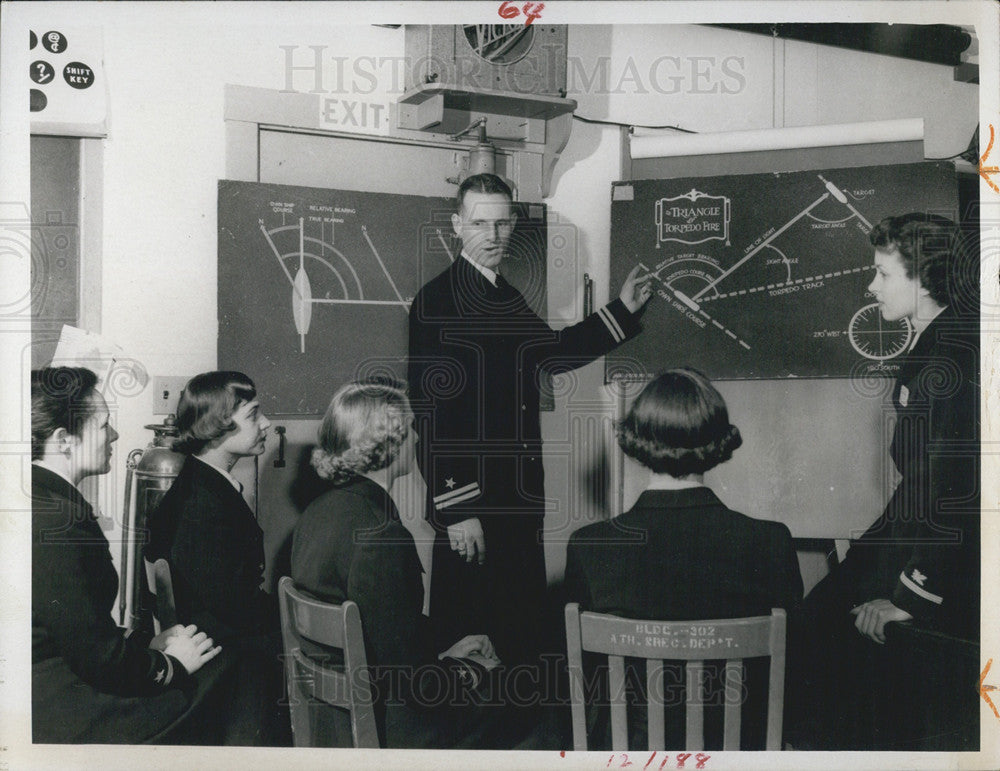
(346, 280)
(691, 283)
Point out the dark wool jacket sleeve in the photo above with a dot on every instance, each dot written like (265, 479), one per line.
(216, 555)
(385, 582)
(73, 590)
(226, 581)
(97, 651)
(575, 581)
(447, 411)
(785, 576)
(450, 409)
(935, 449)
(600, 333)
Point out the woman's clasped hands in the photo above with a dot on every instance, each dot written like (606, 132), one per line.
(192, 648)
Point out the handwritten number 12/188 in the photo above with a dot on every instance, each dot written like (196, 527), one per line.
(532, 11)
(700, 759)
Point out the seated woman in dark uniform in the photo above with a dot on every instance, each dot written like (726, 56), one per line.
(92, 681)
(919, 561)
(350, 545)
(208, 534)
(679, 552)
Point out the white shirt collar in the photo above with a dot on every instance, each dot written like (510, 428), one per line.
(490, 275)
(41, 462)
(232, 480)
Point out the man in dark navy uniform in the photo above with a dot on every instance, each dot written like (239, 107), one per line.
(476, 354)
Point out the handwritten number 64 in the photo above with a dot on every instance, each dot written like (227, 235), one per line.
(531, 11)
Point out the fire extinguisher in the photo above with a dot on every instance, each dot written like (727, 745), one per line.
(150, 471)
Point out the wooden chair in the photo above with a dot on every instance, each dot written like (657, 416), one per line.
(309, 680)
(162, 588)
(691, 641)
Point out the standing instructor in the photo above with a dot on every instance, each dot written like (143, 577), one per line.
(476, 354)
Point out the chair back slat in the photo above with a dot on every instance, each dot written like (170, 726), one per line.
(776, 681)
(151, 583)
(733, 694)
(619, 709)
(693, 642)
(574, 666)
(694, 730)
(654, 712)
(162, 587)
(355, 662)
(308, 678)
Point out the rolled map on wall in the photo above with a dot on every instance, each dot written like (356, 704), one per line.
(655, 143)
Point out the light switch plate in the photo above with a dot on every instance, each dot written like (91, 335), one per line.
(166, 391)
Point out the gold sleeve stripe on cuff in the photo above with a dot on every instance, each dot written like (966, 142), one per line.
(612, 324)
(439, 499)
(459, 499)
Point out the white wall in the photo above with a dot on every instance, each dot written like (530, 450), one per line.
(164, 155)
(833, 85)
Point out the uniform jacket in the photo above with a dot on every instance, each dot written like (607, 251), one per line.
(927, 539)
(350, 545)
(84, 666)
(475, 355)
(215, 548)
(680, 555)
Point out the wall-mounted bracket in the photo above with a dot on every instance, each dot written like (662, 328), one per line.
(518, 122)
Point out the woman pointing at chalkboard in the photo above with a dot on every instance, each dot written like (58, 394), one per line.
(920, 560)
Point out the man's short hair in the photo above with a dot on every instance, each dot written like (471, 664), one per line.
(483, 183)
(679, 425)
(61, 397)
(206, 406)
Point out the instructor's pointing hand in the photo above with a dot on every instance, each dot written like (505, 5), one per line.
(467, 539)
(636, 290)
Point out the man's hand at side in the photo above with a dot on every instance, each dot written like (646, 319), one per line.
(467, 539)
